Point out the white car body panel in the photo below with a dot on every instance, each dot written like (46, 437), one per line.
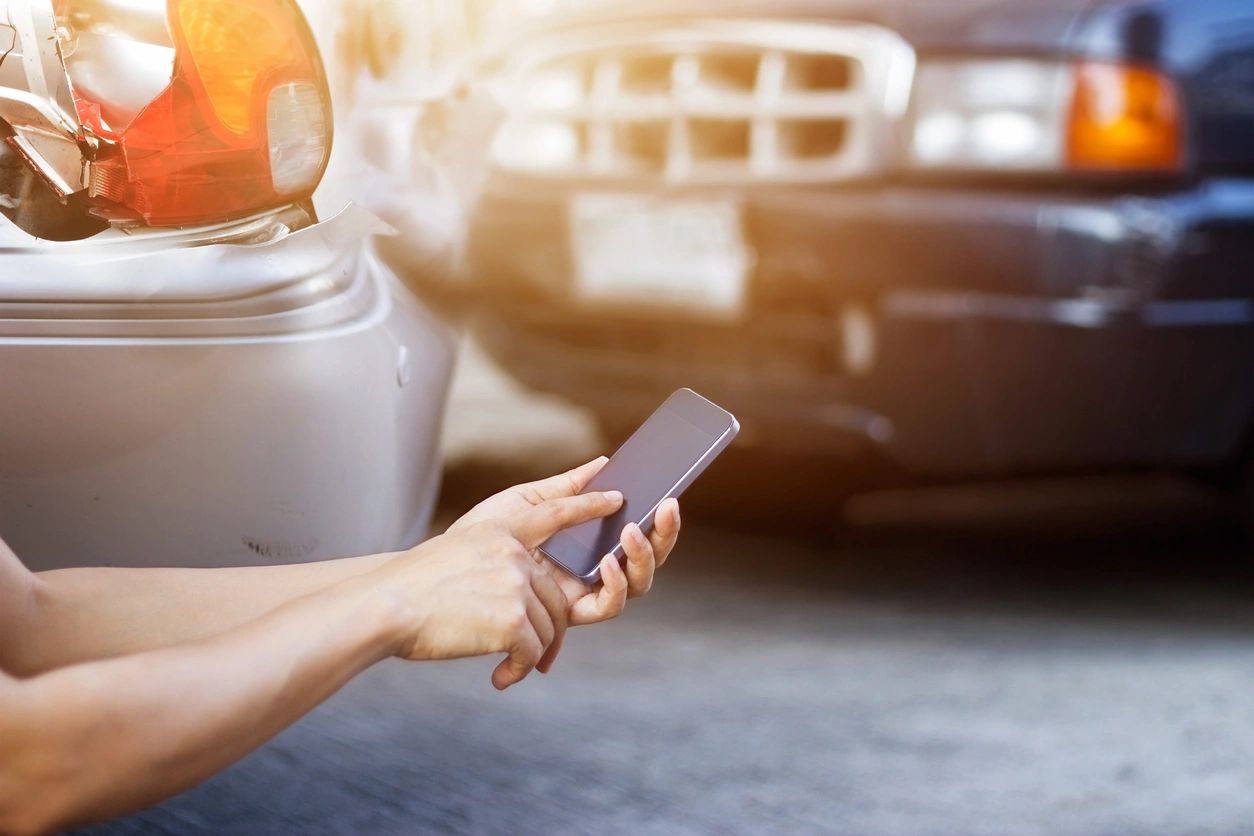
(219, 396)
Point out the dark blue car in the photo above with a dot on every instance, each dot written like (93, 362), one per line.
(966, 238)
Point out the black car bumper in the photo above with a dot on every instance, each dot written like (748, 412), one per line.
(1011, 329)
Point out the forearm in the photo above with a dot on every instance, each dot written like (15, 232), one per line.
(98, 739)
(96, 613)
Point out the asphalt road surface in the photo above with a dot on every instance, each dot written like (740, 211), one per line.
(1062, 657)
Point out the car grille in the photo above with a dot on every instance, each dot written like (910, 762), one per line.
(721, 101)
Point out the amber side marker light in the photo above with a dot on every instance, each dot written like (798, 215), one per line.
(1123, 118)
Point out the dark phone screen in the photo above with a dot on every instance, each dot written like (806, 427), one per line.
(645, 469)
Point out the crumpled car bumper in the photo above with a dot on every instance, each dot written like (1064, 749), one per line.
(266, 399)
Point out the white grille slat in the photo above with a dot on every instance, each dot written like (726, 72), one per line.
(605, 80)
(765, 131)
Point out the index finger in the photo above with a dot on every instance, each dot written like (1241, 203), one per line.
(569, 483)
(537, 524)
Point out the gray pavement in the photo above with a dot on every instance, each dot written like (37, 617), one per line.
(1073, 656)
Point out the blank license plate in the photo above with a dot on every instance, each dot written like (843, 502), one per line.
(658, 252)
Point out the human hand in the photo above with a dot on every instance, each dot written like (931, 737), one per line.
(476, 589)
(606, 599)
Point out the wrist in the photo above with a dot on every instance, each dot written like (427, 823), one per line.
(394, 613)
(373, 615)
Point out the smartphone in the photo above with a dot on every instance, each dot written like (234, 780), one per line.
(662, 458)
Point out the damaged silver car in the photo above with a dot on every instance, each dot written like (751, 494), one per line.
(203, 358)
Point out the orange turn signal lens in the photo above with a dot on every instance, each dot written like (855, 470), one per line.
(234, 45)
(1123, 119)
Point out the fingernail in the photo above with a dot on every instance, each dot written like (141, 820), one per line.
(675, 510)
(602, 459)
(637, 534)
(613, 496)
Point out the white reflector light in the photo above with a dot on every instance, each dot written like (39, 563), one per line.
(297, 136)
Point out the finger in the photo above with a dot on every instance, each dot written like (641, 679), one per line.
(608, 601)
(551, 596)
(535, 525)
(524, 653)
(572, 587)
(665, 530)
(565, 484)
(640, 562)
(540, 619)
